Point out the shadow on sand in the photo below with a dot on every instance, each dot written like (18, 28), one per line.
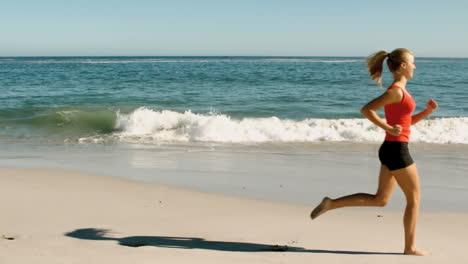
(200, 243)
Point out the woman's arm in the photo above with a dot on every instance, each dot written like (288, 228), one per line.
(391, 96)
(431, 106)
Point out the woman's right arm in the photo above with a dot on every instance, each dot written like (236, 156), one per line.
(391, 96)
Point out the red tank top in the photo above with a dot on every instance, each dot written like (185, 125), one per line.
(400, 114)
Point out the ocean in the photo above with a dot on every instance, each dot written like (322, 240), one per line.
(285, 129)
(154, 100)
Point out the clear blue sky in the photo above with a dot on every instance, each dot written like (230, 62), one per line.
(232, 27)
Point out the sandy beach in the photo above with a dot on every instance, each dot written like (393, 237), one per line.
(199, 132)
(61, 216)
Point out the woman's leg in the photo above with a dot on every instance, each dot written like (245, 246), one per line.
(408, 180)
(387, 184)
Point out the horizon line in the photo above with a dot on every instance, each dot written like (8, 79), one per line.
(216, 56)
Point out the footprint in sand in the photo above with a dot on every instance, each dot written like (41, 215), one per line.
(9, 237)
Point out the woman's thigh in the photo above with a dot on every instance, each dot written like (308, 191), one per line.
(387, 183)
(408, 180)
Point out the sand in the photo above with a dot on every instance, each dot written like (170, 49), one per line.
(60, 216)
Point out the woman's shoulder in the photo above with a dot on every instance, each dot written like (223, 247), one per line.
(395, 92)
(395, 87)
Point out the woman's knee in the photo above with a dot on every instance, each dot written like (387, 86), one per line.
(413, 201)
(381, 200)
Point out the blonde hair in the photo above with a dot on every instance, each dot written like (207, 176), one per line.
(394, 60)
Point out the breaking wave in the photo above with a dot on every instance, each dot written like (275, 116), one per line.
(148, 125)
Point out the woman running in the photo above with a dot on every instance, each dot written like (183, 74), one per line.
(397, 164)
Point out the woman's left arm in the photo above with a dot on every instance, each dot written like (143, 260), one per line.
(431, 106)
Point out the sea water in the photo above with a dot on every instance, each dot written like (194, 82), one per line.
(277, 128)
(216, 99)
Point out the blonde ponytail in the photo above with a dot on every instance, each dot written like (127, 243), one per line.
(375, 66)
(375, 62)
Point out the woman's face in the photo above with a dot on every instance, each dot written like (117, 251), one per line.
(407, 68)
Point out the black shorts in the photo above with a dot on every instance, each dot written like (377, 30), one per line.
(395, 155)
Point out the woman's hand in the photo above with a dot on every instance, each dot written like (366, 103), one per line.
(395, 130)
(431, 105)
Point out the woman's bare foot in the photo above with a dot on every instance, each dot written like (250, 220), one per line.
(415, 252)
(321, 208)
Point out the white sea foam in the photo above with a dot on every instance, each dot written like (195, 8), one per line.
(107, 61)
(339, 61)
(311, 60)
(140, 61)
(104, 61)
(147, 125)
(101, 61)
